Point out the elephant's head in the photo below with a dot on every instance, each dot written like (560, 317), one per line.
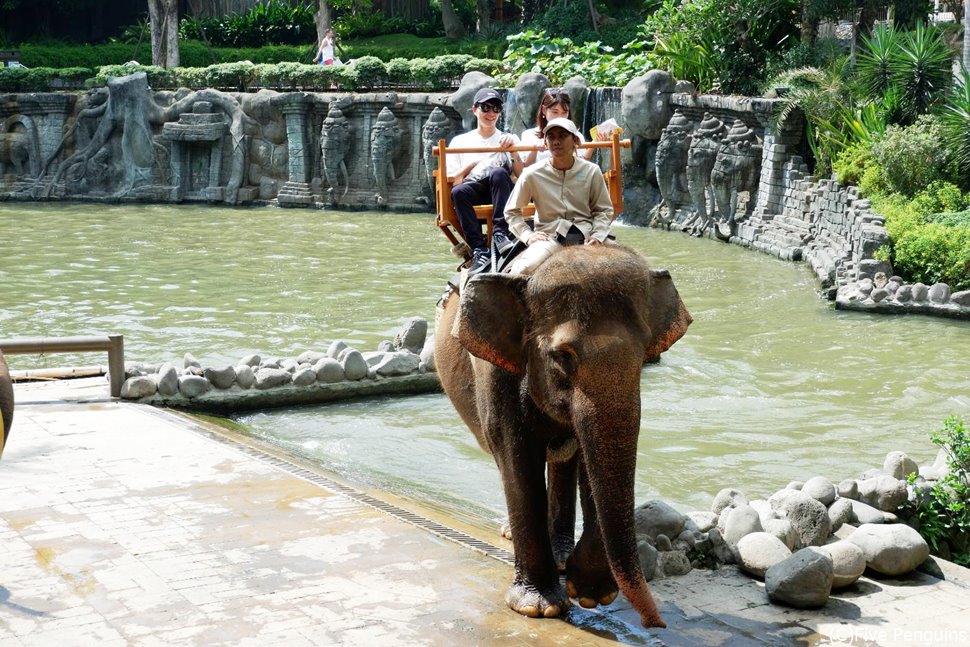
(645, 103)
(580, 329)
(6, 403)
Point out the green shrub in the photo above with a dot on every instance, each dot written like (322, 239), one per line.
(850, 164)
(399, 71)
(911, 157)
(942, 513)
(925, 248)
(938, 197)
(368, 72)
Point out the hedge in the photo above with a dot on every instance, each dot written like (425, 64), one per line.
(440, 73)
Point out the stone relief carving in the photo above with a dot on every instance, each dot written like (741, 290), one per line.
(437, 127)
(335, 139)
(701, 155)
(385, 146)
(19, 147)
(671, 166)
(737, 169)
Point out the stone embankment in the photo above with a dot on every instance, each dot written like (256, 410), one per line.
(402, 366)
(805, 540)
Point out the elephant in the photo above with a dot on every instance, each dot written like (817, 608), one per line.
(6, 403)
(545, 368)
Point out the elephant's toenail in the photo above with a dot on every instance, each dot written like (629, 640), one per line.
(587, 603)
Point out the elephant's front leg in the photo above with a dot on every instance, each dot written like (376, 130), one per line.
(535, 590)
(588, 575)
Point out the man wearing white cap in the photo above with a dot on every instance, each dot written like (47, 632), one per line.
(569, 194)
(483, 178)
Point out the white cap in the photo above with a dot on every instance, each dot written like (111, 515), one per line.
(564, 123)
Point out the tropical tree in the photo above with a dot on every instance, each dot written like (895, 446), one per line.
(164, 18)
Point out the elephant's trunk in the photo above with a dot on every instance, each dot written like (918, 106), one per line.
(607, 433)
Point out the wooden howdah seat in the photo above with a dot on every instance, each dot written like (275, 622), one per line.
(447, 219)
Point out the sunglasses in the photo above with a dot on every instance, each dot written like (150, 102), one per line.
(490, 107)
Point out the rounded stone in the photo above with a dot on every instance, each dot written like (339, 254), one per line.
(658, 518)
(397, 363)
(412, 335)
(221, 378)
(759, 551)
(336, 348)
(879, 294)
(809, 519)
(782, 529)
(267, 378)
(883, 492)
(168, 380)
(251, 360)
(245, 377)
(743, 521)
(304, 377)
(939, 293)
(899, 465)
(803, 580)
(848, 562)
(904, 294)
(427, 355)
(920, 292)
(648, 559)
(192, 386)
(890, 549)
(355, 366)
(329, 370)
(188, 360)
(840, 512)
(848, 489)
(673, 563)
(728, 498)
(865, 513)
(310, 357)
(140, 386)
(820, 489)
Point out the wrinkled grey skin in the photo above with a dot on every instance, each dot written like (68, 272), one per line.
(461, 99)
(6, 402)
(528, 93)
(545, 371)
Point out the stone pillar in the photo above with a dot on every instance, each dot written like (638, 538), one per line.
(296, 191)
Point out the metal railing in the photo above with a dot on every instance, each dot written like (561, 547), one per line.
(114, 344)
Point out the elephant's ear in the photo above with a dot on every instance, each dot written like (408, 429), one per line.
(668, 317)
(491, 320)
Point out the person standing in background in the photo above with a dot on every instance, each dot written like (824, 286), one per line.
(325, 55)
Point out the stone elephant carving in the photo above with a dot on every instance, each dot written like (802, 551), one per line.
(521, 113)
(462, 98)
(671, 166)
(736, 169)
(701, 156)
(546, 368)
(6, 403)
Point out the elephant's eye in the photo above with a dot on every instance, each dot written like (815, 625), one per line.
(564, 360)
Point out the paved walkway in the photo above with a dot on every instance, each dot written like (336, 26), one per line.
(126, 525)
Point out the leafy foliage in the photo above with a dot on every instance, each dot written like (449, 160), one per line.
(943, 511)
(561, 59)
(721, 45)
(912, 157)
(266, 22)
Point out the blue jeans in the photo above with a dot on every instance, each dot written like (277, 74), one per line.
(495, 188)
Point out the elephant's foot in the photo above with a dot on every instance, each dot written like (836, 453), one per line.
(506, 529)
(531, 601)
(592, 588)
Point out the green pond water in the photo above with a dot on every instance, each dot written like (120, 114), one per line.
(769, 385)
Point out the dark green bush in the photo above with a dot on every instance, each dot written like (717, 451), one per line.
(912, 156)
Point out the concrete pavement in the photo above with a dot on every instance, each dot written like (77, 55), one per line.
(121, 524)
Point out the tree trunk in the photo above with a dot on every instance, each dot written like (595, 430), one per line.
(807, 26)
(163, 15)
(322, 18)
(484, 11)
(450, 21)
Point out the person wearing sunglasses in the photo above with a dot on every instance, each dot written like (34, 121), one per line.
(555, 104)
(483, 178)
(572, 202)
